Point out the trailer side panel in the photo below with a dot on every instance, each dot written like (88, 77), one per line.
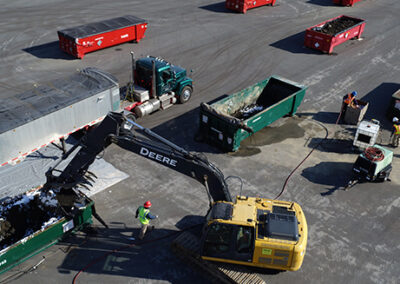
(50, 112)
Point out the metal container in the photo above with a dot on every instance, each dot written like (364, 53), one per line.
(366, 134)
(221, 125)
(243, 5)
(42, 239)
(35, 118)
(355, 115)
(345, 2)
(80, 40)
(317, 38)
(140, 94)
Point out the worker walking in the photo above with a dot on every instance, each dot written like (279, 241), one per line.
(143, 212)
(395, 132)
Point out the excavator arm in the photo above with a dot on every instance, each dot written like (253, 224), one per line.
(116, 128)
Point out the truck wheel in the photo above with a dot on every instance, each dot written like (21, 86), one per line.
(185, 95)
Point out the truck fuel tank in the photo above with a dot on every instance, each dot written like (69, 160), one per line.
(147, 107)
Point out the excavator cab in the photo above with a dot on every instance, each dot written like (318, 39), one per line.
(224, 239)
(255, 232)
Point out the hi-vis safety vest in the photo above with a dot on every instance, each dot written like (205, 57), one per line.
(397, 127)
(349, 99)
(142, 215)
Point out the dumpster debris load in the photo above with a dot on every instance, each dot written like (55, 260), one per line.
(248, 111)
(25, 214)
(337, 25)
(37, 219)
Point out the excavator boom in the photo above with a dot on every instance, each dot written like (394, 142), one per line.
(115, 128)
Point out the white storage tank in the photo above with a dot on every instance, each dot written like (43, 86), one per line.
(367, 133)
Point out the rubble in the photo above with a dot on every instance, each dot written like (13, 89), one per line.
(25, 214)
(336, 26)
(248, 111)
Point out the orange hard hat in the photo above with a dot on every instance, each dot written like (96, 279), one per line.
(147, 204)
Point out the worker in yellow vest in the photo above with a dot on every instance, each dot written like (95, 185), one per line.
(143, 212)
(395, 132)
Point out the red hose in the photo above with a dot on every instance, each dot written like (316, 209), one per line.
(374, 154)
(309, 154)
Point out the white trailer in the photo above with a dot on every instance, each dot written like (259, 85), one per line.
(36, 118)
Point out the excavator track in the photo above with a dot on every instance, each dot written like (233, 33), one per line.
(187, 247)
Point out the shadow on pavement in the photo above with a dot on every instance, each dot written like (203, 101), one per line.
(333, 174)
(294, 44)
(183, 131)
(217, 8)
(322, 116)
(332, 145)
(49, 50)
(379, 99)
(112, 252)
(328, 3)
(190, 220)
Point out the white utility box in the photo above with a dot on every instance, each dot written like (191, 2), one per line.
(140, 94)
(367, 133)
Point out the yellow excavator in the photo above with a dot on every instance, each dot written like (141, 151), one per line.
(256, 232)
(247, 231)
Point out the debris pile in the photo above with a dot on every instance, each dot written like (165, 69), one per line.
(25, 214)
(336, 26)
(248, 111)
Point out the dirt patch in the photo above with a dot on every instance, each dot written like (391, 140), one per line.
(338, 25)
(268, 136)
(272, 135)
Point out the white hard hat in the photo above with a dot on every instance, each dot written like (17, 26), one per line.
(395, 119)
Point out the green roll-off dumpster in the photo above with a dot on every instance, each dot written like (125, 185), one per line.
(51, 231)
(232, 119)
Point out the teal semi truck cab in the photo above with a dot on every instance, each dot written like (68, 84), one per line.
(158, 85)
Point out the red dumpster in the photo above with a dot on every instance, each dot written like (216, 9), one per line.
(325, 36)
(345, 2)
(80, 40)
(243, 5)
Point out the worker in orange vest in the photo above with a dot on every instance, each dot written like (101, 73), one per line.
(350, 99)
(395, 132)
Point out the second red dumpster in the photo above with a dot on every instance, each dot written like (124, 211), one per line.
(345, 2)
(243, 5)
(80, 40)
(326, 35)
